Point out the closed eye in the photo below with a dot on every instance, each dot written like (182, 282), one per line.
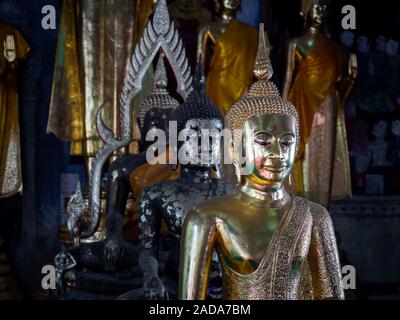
(263, 139)
(287, 141)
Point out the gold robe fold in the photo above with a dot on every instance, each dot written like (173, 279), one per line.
(321, 171)
(231, 67)
(10, 153)
(301, 261)
(95, 43)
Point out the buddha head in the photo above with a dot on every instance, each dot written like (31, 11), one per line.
(347, 38)
(269, 125)
(200, 124)
(392, 47)
(159, 107)
(380, 129)
(314, 12)
(231, 5)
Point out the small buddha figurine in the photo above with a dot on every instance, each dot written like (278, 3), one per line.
(315, 84)
(392, 74)
(170, 201)
(13, 51)
(271, 245)
(366, 77)
(347, 40)
(394, 147)
(226, 48)
(378, 59)
(378, 147)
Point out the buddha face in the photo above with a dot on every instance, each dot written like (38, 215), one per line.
(231, 4)
(380, 43)
(270, 143)
(315, 15)
(203, 145)
(392, 47)
(157, 118)
(380, 129)
(347, 38)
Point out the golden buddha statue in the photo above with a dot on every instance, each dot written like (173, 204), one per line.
(231, 45)
(271, 245)
(13, 51)
(95, 42)
(315, 84)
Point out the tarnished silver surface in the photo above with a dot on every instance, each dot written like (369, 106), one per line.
(64, 262)
(75, 209)
(159, 34)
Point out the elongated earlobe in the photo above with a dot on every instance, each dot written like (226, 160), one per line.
(218, 171)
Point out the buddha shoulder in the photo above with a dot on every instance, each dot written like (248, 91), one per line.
(320, 216)
(213, 208)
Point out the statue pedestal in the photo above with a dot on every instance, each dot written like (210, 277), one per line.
(95, 285)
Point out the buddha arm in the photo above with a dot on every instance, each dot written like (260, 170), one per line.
(149, 217)
(197, 242)
(290, 65)
(345, 85)
(202, 37)
(118, 191)
(323, 258)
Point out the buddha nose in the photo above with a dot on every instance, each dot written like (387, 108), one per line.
(276, 152)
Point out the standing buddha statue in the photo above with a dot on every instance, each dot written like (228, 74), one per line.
(271, 245)
(13, 51)
(94, 45)
(315, 84)
(231, 45)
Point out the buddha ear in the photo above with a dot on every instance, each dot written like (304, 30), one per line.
(232, 152)
(218, 171)
(297, 144)
(236, 163)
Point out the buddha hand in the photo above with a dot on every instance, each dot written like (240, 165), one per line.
(154, 289)
(353, 66)
(113, 248)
